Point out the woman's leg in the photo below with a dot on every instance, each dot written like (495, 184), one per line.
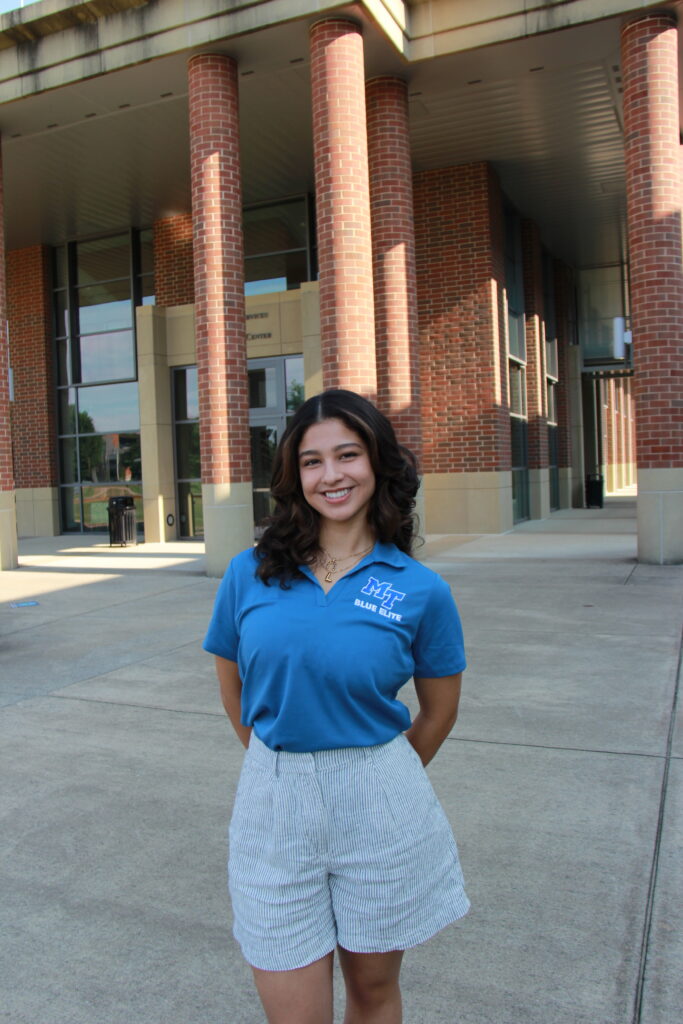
(301, 996)
(373, 995)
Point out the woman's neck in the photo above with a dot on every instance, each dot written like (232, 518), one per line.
(344, 540)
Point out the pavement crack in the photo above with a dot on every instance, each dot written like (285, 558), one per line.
(656, 853)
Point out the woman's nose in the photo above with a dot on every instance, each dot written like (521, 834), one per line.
(331, 471)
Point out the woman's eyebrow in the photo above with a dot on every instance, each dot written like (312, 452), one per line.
(337, 447)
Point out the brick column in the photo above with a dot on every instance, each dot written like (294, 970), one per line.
(653, 190)
(537, 412)
(8, 517)
(219, 308)
(393, 258)
(34, 440)
(340, 150)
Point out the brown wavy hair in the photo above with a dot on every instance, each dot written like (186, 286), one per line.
(291, 537)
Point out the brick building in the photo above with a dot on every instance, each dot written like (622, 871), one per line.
(213, 210)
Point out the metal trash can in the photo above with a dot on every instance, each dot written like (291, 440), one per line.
(594, 490)
(123, 527)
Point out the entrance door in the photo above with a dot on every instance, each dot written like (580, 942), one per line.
(276, 390)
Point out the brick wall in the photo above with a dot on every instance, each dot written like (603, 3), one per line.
(173, 266)
(653, 189)
(30, 327)
(460, 286)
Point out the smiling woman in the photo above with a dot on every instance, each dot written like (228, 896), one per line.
(337, 839)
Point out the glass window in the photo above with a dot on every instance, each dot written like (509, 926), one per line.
(294, 382)
(64, 361)
(103, 259)
(107, 357)
(147, 251)
(61, 315)
(262, 388)
(66, 410)
(263, 445)
(186, 393)
(108, 408)
(279, 272)
(187, 451)
(190, 509)
(107, 458)
(275, 228)
(104, 307)
(517, 389)
(71, 508)
(68, 460)
(96, 504)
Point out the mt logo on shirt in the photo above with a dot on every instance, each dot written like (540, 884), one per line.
(384, 592)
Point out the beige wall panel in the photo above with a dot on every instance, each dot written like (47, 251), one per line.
(37, 511)
(468, 502)
(180, 343)
(9, 549)
(310, 326)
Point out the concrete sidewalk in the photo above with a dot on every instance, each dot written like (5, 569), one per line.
(563, 779)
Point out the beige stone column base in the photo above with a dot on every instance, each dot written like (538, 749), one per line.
(539, 493)
(37, 511)
(228, 523)
(9, 550)
(660, 516)
(467, 502)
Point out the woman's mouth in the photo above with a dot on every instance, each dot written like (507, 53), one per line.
(336, 495)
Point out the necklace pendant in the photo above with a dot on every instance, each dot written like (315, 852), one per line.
(329, 578)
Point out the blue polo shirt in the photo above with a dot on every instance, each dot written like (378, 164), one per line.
(321, 671)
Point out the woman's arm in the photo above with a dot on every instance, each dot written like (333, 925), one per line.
(231, 696)
(438, 700)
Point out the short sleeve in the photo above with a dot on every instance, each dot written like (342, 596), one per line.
(222, 637)
(438, 648)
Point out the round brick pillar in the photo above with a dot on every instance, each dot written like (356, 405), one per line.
(653, 190)
(220, 325)
(393, 255)
(340, 150)
(8, 519)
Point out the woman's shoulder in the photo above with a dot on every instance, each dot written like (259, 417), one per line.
(243, 564)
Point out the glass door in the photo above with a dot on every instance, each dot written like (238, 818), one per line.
(276, 390)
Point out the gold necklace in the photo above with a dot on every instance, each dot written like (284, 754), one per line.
(330, 566)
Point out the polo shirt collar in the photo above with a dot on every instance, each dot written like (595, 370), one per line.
(387, 553)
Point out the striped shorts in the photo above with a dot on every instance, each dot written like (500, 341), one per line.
(347, 847)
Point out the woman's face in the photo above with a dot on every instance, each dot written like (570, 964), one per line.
(337, 478)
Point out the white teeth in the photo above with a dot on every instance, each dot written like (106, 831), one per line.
(337, 494)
